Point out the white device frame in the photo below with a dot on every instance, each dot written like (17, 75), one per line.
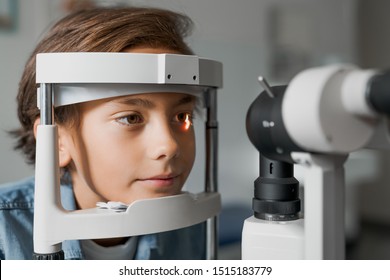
(60, 77)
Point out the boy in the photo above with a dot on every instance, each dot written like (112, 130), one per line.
(116, 149)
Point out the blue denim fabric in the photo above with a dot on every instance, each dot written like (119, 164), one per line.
(16, 229)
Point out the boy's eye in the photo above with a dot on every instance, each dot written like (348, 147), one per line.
(131, 119)
(184, 119)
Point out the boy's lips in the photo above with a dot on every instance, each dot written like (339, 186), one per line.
(163, 180)
(162, 177)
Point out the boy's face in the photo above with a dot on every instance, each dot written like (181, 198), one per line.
(130, 148)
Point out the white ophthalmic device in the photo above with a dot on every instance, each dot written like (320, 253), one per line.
(315, 121)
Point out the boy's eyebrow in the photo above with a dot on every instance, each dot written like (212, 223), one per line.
(135, 101)
(186, 100)
(138, 101)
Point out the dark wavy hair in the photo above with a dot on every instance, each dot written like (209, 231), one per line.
(95, 30)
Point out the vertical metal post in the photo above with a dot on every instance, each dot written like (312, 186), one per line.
(46, 177)
(211, 184)
(46, 104)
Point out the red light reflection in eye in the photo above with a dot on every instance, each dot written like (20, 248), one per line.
(187, 123)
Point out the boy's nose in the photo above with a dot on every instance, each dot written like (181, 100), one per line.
(163, 143)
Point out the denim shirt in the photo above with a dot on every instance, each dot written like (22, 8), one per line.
(16, 229)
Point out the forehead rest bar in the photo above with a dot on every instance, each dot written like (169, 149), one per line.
(80, 77)
(66, 94)
(127, 68)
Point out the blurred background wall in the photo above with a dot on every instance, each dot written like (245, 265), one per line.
(273, 38)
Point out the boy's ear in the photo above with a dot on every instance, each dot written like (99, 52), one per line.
(36, 123)
(63, 144)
